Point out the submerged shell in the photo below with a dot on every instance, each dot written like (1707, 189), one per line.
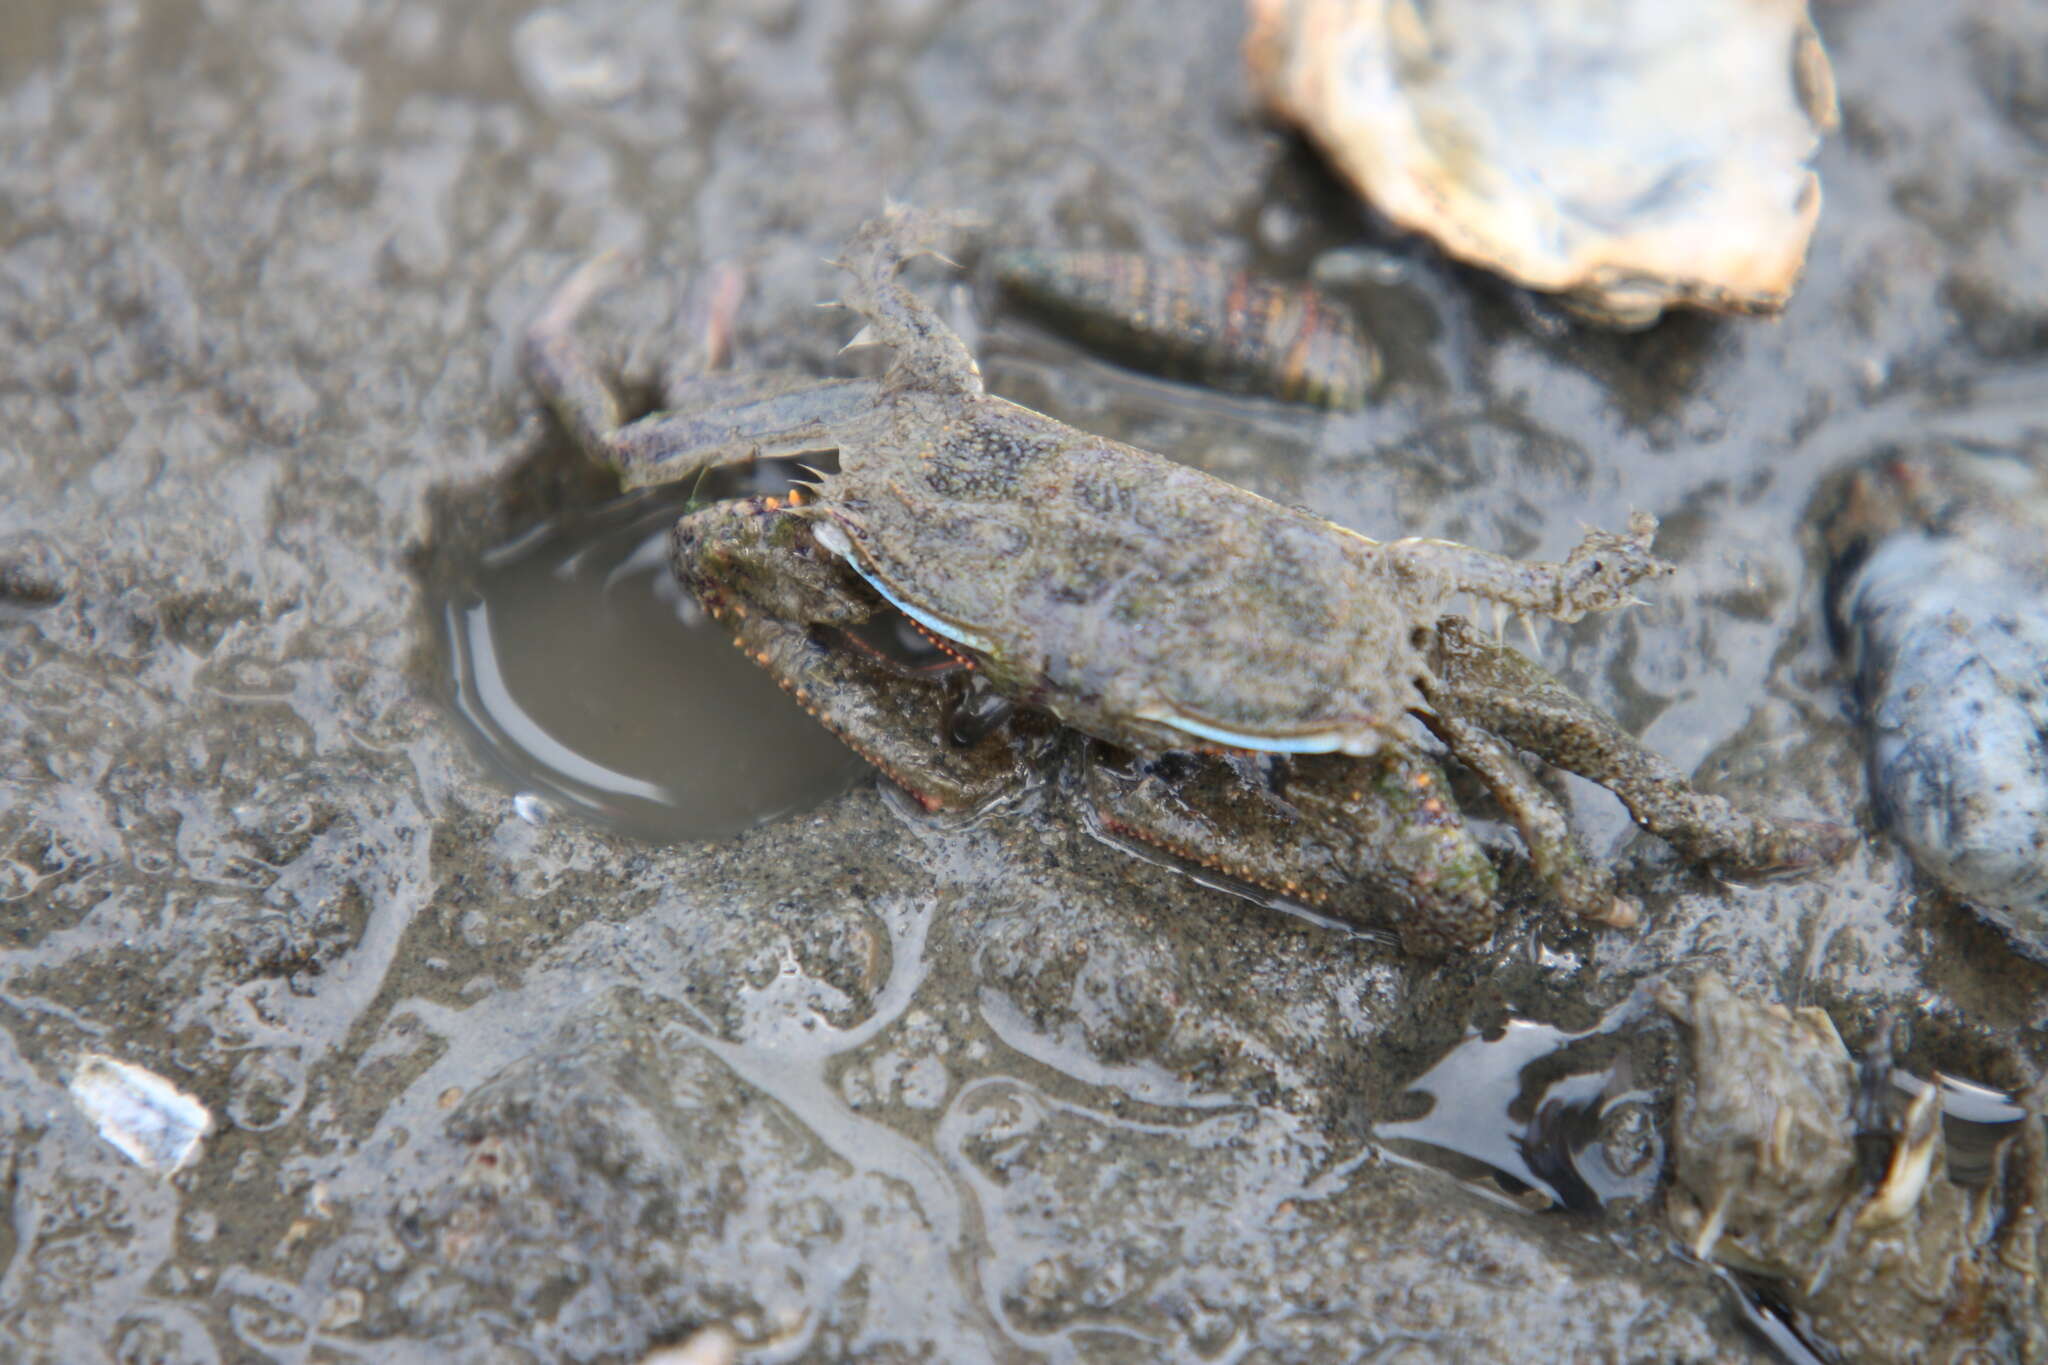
(1939, 597)
(1627, 154)
(1826, 1178)
(1198, 320)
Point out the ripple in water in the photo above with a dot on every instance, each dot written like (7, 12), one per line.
(594, 683)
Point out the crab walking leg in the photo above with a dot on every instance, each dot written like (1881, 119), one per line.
(757, 568)
(1561, 860)
(929, 355)
(1596, 576)
(557, 366)
(786, 415)
(1343, 834)
(725, 418)
(1492, 686)
(713, 309)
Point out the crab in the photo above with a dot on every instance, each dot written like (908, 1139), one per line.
(1262, 691)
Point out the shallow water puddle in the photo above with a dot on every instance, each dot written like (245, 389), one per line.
(595, 683)
(1579, 1140)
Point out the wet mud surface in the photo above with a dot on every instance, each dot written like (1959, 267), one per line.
(491, 1082)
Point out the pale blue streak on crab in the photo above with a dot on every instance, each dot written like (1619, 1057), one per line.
(1151, 607)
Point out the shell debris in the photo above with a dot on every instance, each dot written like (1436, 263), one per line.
(712, 1345)
(156, 1125)
(1627, 155)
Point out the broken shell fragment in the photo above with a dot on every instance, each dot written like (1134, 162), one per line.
(705, 1346)
(1627, 155)
(155, 1124)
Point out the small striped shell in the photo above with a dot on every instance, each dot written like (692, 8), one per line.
(1626, 154)
(1198, 320)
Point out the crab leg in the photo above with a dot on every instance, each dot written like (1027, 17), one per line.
(1596, 576)
(929, 355)
(722, 419)
(757, 567)
(558, 368)
(1561, 860)
(1488, 685)
(1342, 830)
(794, 415)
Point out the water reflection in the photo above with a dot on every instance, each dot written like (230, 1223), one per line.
(1503, 1114)
(1579, 1142)
(594, 683)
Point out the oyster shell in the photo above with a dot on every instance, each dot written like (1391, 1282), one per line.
(1626, 154)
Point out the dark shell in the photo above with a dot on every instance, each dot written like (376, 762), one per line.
(1938, 594)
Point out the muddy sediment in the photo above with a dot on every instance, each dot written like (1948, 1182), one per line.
(490, 1082)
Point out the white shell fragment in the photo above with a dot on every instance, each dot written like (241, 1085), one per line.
(157, 1125)
(1626, 154)
(705, 1346)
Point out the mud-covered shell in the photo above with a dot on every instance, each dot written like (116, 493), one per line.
(1762, 1138)
(1626, 154)
(1195, 319)
(1939, 601)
